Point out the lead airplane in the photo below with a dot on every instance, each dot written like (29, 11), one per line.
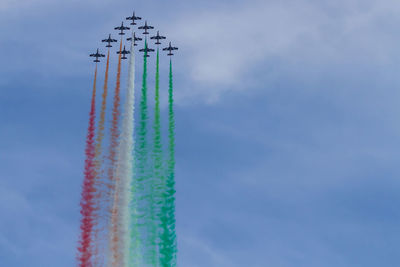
(121, 28)
(109, 40)
(97, 55)
(134, 39)
(157, 37)
(124, 53)
(133, 18)
(145, 28)
(170, 48)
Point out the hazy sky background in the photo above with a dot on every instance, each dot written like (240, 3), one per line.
(288, 128)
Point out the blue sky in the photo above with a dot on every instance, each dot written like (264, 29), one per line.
(287, 128)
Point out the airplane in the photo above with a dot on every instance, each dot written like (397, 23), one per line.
(97, 55)
(147, 50)
(145, 28)
(134, 39)
(109, 40)
(133, 18)
(124, 53)
(121, 28)
(170, 49)
(158, 37)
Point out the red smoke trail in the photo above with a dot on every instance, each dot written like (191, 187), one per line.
(100, 134)
(99, 183)
(88, 191)
(113, 196)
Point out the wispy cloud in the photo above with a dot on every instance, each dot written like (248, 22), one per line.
(225, 48)
(234, 46)
(196, 252)
(32, 176)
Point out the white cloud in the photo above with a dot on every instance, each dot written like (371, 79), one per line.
(197, 249)
(225, 48)
(223, 43)
(222, 46)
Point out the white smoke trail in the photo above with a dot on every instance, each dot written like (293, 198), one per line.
(124, 168)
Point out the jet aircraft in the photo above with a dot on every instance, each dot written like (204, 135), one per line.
(124, 53)
(158, 37)
(145, 28)
(147, 50)
(122, 28)
(97, 55)
(133, 18)
(109, 40)
(134, 39)
(170, 48)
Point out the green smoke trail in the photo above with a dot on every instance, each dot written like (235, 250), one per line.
(143, 179)
(168, 246)
(158, 174)
(152, 204)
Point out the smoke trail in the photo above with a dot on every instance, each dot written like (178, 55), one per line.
(124, 172)
(132, 244)
(113, 180)
(144, 183)
(158, 174)
(88, 191)
(100, 133)
(99, 182)
(168, 237)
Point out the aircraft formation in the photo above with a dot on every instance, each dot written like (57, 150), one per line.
(121, 31)
(128, 193)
